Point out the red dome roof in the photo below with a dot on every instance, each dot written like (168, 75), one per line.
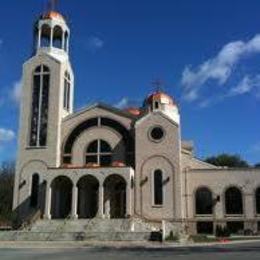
(134, 111)
(53, 15)
(161, 97)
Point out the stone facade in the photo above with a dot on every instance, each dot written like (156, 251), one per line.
(107, 163)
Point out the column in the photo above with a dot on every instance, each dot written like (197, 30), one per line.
(51, 40)
(74, 202)
(39, 37)
(47, 210)
(101, 201)
(107, 208)
(128, 200)
(63, 41)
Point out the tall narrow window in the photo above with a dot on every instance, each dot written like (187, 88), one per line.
(40, 106)
(158, 188)
(67, 84)
(34, 191)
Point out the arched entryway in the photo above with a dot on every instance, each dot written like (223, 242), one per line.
(61, 197)
(88, 197)
(115, 196)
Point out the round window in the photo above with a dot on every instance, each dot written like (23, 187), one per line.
(157, 133)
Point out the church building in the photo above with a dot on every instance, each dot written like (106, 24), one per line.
(107, 164)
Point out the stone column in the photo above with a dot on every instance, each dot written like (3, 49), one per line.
(128, 200)
(74, 202)
(48, 195)
(39, 37)
(249, 205)
(63, 41)
(107, 208)
(101, 201)
(51, 39)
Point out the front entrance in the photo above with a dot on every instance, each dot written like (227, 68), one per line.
(61, 197)
(115, 197)
(88, 197)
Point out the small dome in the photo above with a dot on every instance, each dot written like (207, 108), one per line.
(161, 97)
(52, 15)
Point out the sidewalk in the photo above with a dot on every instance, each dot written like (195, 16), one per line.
(110, 245)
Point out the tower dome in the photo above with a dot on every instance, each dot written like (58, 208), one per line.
(159, 101)
(53, 15)
(52, 33)
(160, 97)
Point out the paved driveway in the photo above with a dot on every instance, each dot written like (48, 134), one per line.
(226, 252)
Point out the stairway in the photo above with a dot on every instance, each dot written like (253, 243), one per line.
(83, 230)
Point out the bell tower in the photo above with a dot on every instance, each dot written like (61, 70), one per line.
(47, 93)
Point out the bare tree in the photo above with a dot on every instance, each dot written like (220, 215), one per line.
(7, 171)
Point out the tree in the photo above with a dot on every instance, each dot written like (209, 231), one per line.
(257, 165)
(7, 171)
(233, 161)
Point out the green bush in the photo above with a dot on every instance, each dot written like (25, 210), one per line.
(222, 231)
(172, 237)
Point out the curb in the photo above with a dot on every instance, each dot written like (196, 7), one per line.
(112, 245)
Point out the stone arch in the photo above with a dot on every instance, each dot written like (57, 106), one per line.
(115, 196)
(233, 201)
(146, 188)
(97, 122)
(61, 188)
(88, 187)
(203, 201)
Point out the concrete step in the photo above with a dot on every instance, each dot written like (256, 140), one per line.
(74, 236)
(86, 225)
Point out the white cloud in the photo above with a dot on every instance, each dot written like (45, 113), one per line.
(246, 85)
(6, 135)
(94, 43)
(218, 68)
(123, 103)
(16, 91)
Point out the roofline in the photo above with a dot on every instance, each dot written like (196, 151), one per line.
(226, 169)
(103, 106)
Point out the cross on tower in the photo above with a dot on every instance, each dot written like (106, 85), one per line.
(158, 85)
(52, 4)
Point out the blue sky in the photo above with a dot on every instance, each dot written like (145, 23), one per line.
(206, 52)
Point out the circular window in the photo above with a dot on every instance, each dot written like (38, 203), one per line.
(157, 133)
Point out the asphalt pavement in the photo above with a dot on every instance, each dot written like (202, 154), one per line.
(243, 251)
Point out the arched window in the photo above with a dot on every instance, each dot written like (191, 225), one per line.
(99, 152)
(34, 191)
(158, 188)
(45, 40)
(57, 37)
(257, 201)
(204, 202)
(40, 106)
(233, 201)
(66, 44)
(67, 90)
